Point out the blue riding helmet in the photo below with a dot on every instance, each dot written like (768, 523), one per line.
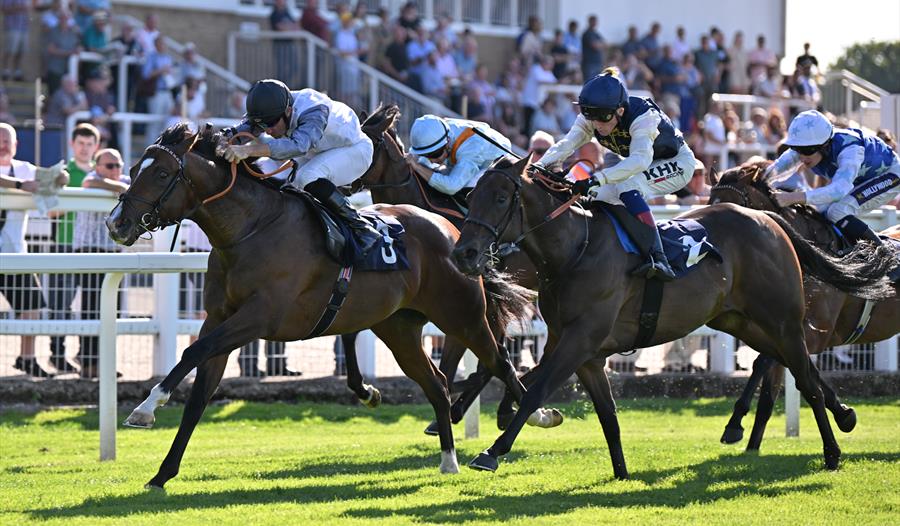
(601, 96)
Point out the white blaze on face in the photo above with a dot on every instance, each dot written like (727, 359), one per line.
(146, 163)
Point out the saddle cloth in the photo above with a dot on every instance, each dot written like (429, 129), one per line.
(684, 241)
(344, 247)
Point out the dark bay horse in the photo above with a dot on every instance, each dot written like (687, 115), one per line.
(591, 303)
(270, 277)
(832, 316)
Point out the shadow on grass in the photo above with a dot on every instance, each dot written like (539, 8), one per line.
(722, 478)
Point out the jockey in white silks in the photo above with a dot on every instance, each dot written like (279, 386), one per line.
(324, 138)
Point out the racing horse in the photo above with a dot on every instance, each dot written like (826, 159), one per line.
(833, 317)
(270, 277)
(591, 303)
(390, 180)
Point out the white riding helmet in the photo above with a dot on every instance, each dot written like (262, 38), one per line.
(809, 128)
(428, 134)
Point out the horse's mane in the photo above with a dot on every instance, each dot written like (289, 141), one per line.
(174, 134)
(751, 174)
(508, 161)
(382, 119)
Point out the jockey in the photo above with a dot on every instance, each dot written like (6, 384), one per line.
(655, 160)
(863, 172)
(321, 135)
(449, 154)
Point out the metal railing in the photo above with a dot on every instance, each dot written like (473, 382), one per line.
(852, 96)
(359, 85)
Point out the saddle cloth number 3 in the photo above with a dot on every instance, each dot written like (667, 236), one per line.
(388, 255)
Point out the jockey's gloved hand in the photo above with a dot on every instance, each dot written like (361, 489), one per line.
(229, 132)
(583, 186)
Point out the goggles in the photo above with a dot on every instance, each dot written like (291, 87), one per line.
(593, 113)
(807, 150)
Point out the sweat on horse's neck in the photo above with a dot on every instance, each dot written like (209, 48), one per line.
(554, 245)
(231, 218)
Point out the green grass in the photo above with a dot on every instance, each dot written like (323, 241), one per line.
(325, 464)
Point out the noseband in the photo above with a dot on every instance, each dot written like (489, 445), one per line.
(151, 221)
(497, 231)
(745, 199)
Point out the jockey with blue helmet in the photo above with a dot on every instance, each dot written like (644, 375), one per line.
(655, 160)
(322, 136)
(863, 172)
(449, 154)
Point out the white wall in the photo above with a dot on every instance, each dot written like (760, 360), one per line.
(697, 16)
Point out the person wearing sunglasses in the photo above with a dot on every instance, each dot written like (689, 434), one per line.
(652, 156)
(324, 138)
(862, 171)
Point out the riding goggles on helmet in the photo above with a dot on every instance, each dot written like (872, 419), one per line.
(593, 113)
(807, 150)
(263, 124)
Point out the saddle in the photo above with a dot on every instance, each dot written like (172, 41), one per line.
(342, 245)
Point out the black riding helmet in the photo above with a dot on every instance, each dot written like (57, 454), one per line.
(267, 102)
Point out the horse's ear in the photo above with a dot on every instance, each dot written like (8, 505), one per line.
(523, 163)
(713, 177)
(757, 173)
(363, 115)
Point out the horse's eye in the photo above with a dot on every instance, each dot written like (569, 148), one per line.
(163, 174)
(501, 199)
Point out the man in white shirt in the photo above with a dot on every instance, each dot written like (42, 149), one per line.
(21, 290)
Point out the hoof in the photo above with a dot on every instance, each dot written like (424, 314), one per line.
(155, 487)
(503, 420)
(485, 462)
(432, 429)
(374, 399)
(140, 420)
(448, 462)
(621, 475)
(832, 462)
(732, 435)
(847, 421)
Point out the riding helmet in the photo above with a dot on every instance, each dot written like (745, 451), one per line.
(267, 101)
(428, 134)
(809, 128)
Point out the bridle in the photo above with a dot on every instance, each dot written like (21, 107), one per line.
(745, 199)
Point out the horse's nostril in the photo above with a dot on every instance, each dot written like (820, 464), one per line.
(471, 254)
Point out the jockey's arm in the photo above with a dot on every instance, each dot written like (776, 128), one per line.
(309, 131)
(849, 162)
(644, 131)
(456, 180)
(580, 134)
(786, 163)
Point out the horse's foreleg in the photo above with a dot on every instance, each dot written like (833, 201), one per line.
(368, 395)
(734, 431)
(593, 377)
(768, 394)
(216, 339)
(209, 374)
(451, 354)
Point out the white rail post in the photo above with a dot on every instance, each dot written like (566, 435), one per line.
(311, 64)
(108, 403)
(791, 405)
(721, 353)
(373, 93)
(365, 353)
(886, 355)
(165, 309)
(472, 414)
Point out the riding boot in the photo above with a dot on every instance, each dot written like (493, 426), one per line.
(30, 366)
(247, 361)
(328, 194)
(855, 230)
(276, 360)
(657, 267)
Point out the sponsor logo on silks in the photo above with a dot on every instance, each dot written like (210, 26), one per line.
(878, 186)
(663, 171)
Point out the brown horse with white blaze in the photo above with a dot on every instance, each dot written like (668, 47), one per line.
(270, 277)
(591, 303)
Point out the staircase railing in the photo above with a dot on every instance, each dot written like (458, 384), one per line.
(852, 96)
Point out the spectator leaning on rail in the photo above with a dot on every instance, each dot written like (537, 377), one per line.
(449, 154)
(21, 290)
(863, 173)
(324, 138)
(655, 159)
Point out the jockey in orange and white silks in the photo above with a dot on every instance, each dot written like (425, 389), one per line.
(323, 136)
(449, 154)
(655, 160)
(862, 171)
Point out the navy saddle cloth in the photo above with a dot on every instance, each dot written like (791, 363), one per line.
(344, 247)
(684, 241)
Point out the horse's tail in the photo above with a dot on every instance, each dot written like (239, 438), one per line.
(862, 272)
(506, 301)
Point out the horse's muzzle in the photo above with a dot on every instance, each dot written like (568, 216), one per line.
(121, 229)
(468, 260)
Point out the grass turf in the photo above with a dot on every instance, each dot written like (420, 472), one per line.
(326, 464)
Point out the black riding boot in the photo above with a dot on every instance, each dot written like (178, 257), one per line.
(276, 360)
(328, 194)
(657, 267)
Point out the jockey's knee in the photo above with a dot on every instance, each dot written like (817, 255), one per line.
(840, 210)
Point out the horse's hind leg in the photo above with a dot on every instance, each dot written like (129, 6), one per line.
(768, 394)
(592, 375)
(844, 416)
(209, 374)
(734, 431)
(368, 395)
(402, 333)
